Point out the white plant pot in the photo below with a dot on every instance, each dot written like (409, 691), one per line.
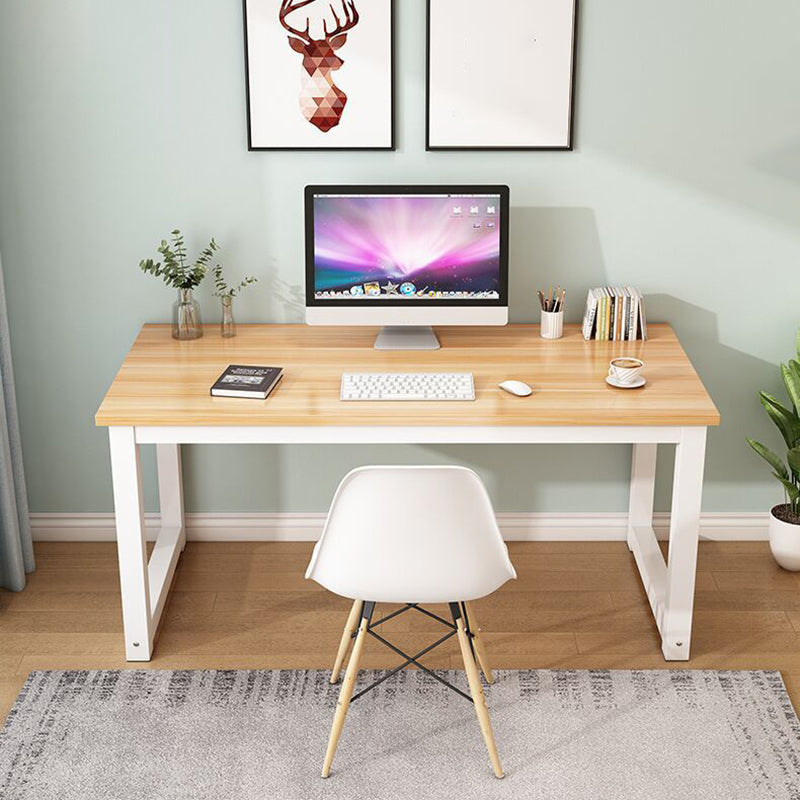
(784, 542)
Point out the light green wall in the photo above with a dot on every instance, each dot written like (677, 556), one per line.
(120, 121)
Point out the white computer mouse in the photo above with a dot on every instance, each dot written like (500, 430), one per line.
(518, 388)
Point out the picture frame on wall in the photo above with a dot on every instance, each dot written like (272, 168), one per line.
(500, 76)
(319, 74)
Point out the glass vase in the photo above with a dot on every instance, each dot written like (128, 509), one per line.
(228, 324)
(186, 316)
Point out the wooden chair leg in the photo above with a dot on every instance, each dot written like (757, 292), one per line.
(476, 690)
(345, 694)
(347, 636)
(477, 641)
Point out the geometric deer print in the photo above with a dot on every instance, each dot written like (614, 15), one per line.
(321, 101)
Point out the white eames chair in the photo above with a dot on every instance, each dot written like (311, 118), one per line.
(411, 535)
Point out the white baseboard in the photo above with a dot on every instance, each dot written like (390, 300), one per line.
(553, 527)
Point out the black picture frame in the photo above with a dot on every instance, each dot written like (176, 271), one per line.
(569, 146)
(393, 70)
(499, 189)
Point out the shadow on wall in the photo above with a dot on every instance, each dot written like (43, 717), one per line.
(733, 379)
(783, 162)
(549, 247)
(290, 298)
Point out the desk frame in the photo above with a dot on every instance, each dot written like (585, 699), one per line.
(669, 585)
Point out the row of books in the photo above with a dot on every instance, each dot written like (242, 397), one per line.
(614, 313)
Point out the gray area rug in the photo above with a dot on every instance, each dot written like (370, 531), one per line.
(262, 734)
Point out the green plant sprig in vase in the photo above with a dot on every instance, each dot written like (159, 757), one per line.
(226, 294)
(176, 271)
(784, 522)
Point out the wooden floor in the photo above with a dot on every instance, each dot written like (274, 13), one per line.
(247, 605)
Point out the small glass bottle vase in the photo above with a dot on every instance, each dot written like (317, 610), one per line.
(186, 316)
(228, 324)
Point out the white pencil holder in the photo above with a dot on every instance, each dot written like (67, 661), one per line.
(552, 326)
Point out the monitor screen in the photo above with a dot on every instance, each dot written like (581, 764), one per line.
(428, 246)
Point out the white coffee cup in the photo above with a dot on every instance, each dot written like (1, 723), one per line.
(625, 369)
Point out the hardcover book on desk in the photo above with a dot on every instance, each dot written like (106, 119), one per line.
(242, 381)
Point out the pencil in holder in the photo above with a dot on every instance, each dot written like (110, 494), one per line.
(552, 326)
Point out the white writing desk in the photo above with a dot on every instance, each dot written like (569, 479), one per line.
(161, 396)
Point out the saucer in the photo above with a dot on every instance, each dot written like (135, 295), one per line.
(640, 381)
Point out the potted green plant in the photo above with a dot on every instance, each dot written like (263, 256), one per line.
(179, 274)
(226, 294)
(784, 520)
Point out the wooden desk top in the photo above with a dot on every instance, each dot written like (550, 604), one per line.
(166, 382)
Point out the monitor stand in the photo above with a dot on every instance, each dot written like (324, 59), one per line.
(406, 337)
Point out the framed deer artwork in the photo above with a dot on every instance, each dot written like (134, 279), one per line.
(500, 76)
(319, 74)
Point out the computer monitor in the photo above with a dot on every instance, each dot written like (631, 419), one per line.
(406, 258)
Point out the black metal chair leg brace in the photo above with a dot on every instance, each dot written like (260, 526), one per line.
(471, 655)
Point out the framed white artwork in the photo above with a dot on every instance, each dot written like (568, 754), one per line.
(500, 75)
(319, 74)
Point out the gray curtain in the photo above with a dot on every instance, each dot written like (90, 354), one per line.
(16, 548)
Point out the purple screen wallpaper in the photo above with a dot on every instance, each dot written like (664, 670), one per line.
(407, 246)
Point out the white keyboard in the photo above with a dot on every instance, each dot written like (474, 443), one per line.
(407, 386)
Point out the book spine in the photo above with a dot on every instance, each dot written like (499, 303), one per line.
(602, 330)
(623, 331)
(599, 318)
(601, 315)
(625, 313)
(613, 319)
(589, 316)
(642, 317)
(585, 321)
(631, 309)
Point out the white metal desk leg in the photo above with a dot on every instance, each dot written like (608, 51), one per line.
(684, 532)
(131, 549)
(170, 488)
(643, 482)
